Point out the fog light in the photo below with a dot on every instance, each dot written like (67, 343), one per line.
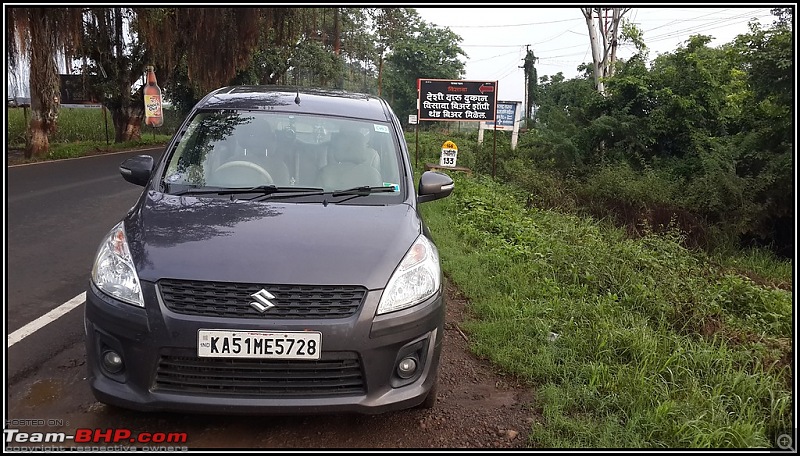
(406, 367)
(112, 361)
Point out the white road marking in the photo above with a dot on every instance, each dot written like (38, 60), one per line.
(45, 319)
(150, 149)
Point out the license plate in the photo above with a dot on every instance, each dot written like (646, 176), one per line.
(259, 344)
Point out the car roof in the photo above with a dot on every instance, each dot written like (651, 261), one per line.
(311, 101)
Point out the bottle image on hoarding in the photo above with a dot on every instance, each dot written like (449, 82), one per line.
(153, 114)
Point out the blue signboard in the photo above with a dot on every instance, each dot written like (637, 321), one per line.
(506, 113)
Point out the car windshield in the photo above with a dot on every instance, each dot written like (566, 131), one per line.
(245, 149)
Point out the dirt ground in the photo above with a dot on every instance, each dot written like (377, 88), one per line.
(15, 157)
(476, 407)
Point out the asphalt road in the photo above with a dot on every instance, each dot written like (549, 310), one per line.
(56, 214)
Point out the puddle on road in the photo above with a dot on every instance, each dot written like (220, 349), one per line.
(43, 392)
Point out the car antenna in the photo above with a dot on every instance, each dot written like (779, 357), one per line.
(297, 87)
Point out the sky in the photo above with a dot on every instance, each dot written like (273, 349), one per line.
(495, 38)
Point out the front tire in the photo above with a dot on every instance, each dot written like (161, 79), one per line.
(430, 399)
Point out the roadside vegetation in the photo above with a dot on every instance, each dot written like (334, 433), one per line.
(628, 342)
(81, 131)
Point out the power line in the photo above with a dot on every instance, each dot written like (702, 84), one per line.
(692, 26)
(512, 65)
(669, 37)
(552, 38)
(676, 20)
(494, 56)
(653, 39)
(699, 27)
(563, 55)
(505, 25)
(509, 73)
(492, 45)
(724, 22)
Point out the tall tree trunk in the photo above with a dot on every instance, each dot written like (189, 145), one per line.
(588, 13)
(43, 85)
(128, 122)
(337, 32)
(609, 31)
(380, 72)
(618, 12)
(127, 113)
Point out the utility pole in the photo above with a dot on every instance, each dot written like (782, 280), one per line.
(525, 69)
(530, 80)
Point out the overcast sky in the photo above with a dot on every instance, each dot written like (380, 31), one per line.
(495, 38)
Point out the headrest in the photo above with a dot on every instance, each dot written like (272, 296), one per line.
(256, 138)
(350, 146)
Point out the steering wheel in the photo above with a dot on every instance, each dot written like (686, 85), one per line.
(246, 164)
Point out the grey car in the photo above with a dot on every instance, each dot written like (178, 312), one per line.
(275, 263)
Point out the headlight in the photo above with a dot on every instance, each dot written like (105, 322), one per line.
(415, 280)
(113, 271)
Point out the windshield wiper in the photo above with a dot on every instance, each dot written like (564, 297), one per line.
(362, 191)
(273, 191)
(261, 189)
(355, 192)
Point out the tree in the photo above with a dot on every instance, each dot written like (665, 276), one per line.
(206, 48)
(603, 55)
(391, 25)
(39, 35)
(358, 51)
(426, 52)
(316, 55)
(715, 123)
(634, 35)
(765, 128)
(115, 60)
(213, 43)
(691, 97)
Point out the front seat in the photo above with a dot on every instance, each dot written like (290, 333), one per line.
(350, 163)
(256, 149)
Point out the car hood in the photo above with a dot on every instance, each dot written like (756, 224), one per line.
(216, 239)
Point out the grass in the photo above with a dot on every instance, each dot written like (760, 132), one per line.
(82, 131)
(760, 265)
(83, 148)
(656, 346)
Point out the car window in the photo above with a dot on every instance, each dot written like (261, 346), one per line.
(247, 149)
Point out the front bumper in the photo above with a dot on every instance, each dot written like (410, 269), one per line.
(152, 338)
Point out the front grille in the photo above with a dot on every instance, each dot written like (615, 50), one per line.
(225, 299)
(338, 375)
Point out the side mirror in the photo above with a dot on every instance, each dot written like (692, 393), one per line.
(433, 186)
(137, 170)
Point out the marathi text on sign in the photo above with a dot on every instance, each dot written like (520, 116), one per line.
(456, 100)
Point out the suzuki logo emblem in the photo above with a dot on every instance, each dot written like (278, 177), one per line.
(262, 298)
